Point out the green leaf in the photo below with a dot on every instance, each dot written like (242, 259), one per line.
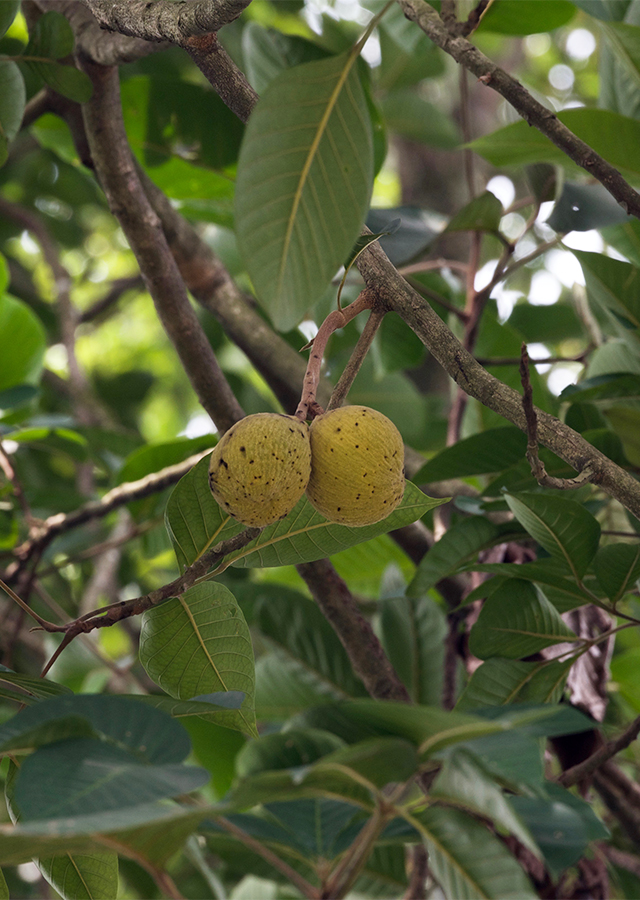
(463, 782)
(467, 860)
(83, 776)
(617, 568)
(604, 387)
(303, 185)
(147, 732)
(23, 335)
(626, 423)
(613, 136)
(456, 545)
(513, 758)
(13, 97)
(89, 876)
(489, 451)
(562, 591)
(511, 17)
(4, 889)
(413, 633)
(8, 11)
(613, 285)
(605, 10)
(198, 644)
(564, 528)
(153, 832)
(285, 750)
(499, 682)
(515, 622)
(408, 114)
(483, 213)
(400, 67)
(582, 207)
(295, 625)
(51, 39)
(558, 830)
(546, 323)
(39, 688)
(268, 52)
(195, 522)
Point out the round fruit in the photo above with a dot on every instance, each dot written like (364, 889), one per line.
(357, 465)
(260, 468)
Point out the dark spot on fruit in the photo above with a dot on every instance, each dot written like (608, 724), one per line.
(357, 445)
(251, 462)
(243, 449)
(338, 429)
(223, 462)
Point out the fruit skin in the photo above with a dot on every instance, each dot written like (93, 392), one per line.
(357, 466)
(260, 468)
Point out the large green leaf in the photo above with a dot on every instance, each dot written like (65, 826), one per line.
(285, 750)
(490, 451)
(23, 336)
(408, 114)
(84, 775)
(515, 622)
(548, 572)
(617, 568)
(563, 527)
(145, 731)
(295, 625)
(614, 286)
(511, 17)
(303, 185)
(268, 52)
(462, 781)
(502, 681)
(483, 213)
(198, 644)
(88, 876)
(195, 523)
(467, 860)
(558, 829)
(153, 832)
(455, 546)
(615, 137)
(413, 634)
(13, 97)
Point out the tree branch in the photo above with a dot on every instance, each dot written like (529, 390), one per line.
(586, 768)
(159, 20)
(546, 121)
(128, 202)
(393, 291)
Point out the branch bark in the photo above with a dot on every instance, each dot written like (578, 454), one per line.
(159, 20)
(128, 202)
(393, 291)
(533, 112)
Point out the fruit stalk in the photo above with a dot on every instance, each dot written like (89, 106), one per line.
(337, 319)
(352, 368)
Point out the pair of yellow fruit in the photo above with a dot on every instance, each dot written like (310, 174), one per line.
(350, 461)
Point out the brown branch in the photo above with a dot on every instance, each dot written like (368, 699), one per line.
(367, 657)
(106, 616)
(128, 202)
(337, 319)
(42, 535)
(119, 287)
(586, 768)
(537, 466)
(621, 796)
(159, 20)
(227, 80)
(620, 858)
(393, 291)
(531, 110)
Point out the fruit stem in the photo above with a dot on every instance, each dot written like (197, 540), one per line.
(352, 368)
(337, 319)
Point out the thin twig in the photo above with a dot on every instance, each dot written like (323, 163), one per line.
(356, 359)
(588, 766)
(537, 466)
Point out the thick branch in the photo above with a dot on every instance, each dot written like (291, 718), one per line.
(531, 110)
(367, 657)
(566, 443)
(117, 173)
(227, 80)
(159, 20)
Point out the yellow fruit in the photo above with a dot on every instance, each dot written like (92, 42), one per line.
(357, 465)
(260, 468)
